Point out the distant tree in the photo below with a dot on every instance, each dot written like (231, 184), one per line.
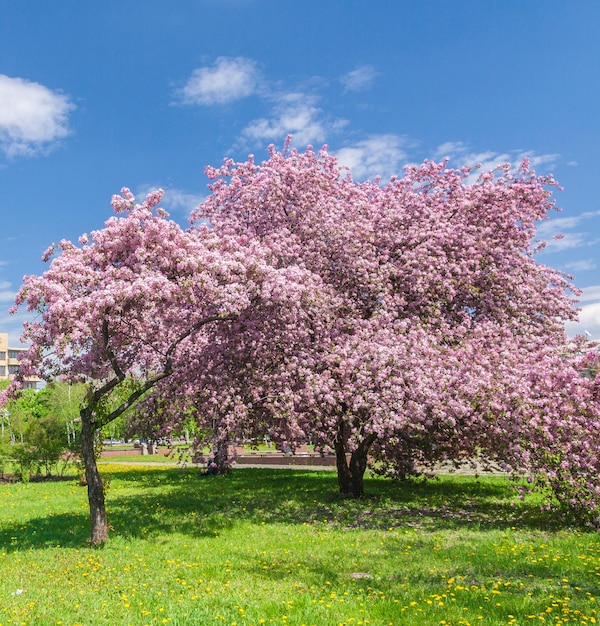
(41, 447)
(64, 401)
(21, 412)
(32, 434)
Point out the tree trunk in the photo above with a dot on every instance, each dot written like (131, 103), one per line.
(358, 466)
(351, 474)
(343, 471)
(221, 457)
(99, 525)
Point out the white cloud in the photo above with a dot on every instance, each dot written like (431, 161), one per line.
(378, 155)
(460, 154)
(590, 294)
(537, 160)
(589, 316)
(559, 227)
(568, 241)
(294, 114)
(360, 79)
(589, 321)
(174, 200)
(227, 80)
(32, 117)
(583, 265)
(181, 201)
(448, 150)
(13, 324)
(7, 297)
(589, 214)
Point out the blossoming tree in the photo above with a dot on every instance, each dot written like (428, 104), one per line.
(140, 298)
(439, 318)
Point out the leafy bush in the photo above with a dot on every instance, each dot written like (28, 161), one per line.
(5, 454)
(44, 449)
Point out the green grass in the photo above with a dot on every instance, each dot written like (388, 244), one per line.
(281, 547)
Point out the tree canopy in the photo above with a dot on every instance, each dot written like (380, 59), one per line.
(437, 321)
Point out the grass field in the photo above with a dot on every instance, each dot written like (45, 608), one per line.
(281, 547)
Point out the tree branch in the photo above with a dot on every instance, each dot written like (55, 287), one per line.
(151, 382)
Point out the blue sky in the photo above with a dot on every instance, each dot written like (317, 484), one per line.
(95, 96)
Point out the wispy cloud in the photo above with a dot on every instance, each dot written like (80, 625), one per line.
(294, 113)
(589, 322)
(174, 200)
(7, 296)
(378, 155)
(562, 242)
(32, 117)
(289, 110)
(448, 150)
(227, 80)
(459, 154)
(537, 160)
(565, 233)
(359, 79)
(589, 315)
(583, 265)
(13, 324)
(8, 323)
(590, 294)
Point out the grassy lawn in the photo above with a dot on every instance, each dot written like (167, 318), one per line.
(281, 547)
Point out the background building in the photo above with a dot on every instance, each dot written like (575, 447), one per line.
(9, 363)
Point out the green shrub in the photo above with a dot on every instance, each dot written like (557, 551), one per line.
(5, 455)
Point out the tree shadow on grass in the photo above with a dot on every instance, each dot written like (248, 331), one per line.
(156, 502)
(202, 506)
(69, 530)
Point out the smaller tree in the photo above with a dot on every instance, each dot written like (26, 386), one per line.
(42, 448)
(5, 453)
(21, 411)
(142, 300)
(560, 446)
(33, 437)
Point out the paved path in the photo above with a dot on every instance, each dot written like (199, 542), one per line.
(443, 470)
(319, 468)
